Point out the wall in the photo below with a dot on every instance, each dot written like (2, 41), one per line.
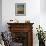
(0, 15)
(33, 13)
(43, 14)
(43, 6)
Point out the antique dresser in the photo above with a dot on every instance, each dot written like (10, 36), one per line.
(22, 33)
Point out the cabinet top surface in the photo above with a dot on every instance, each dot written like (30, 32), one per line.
(19, 23)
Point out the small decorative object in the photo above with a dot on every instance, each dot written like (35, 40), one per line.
(11, 20)
(14, 21)
(27, 21)
(41, 36)
(20, 9)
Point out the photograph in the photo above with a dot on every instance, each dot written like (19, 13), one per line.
(20, 9)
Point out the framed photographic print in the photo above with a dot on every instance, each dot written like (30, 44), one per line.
(20, 9)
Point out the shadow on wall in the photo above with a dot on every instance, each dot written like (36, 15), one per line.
(0, 15)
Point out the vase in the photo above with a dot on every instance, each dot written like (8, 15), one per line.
(41, 43)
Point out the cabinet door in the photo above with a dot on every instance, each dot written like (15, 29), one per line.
(20, 37)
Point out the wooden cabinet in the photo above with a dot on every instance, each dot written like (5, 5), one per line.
(22, 33)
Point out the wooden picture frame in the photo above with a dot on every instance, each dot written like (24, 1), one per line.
(20, 9)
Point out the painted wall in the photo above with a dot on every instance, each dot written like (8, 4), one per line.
(43, 6)
(43, 14)
(0, 15)
(33, 13)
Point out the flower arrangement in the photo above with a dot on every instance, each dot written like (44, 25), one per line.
(40, 34)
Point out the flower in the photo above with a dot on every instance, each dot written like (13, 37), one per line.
(40, 33)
